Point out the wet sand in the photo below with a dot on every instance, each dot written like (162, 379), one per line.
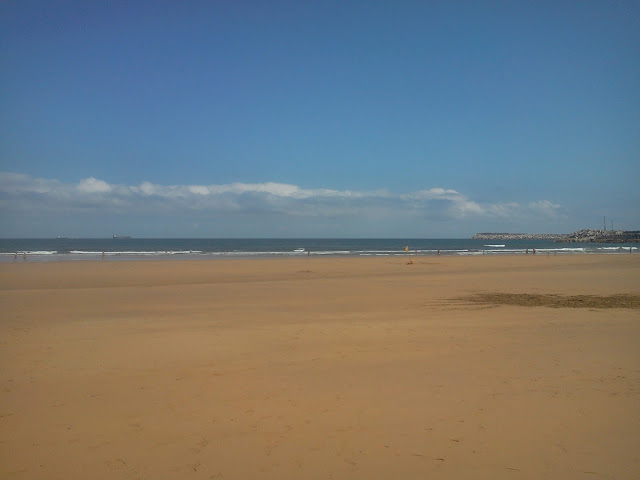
(320, 368)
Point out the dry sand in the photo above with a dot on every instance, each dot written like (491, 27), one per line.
(356, 368)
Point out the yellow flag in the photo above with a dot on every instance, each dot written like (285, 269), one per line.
(406, 249)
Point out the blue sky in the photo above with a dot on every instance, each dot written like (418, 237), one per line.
(318, 118)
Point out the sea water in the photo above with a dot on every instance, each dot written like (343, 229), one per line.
(57, 249)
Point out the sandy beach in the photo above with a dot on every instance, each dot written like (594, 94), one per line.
(321, 368)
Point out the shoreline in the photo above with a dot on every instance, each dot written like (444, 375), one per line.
(47, 250)
(34, 257)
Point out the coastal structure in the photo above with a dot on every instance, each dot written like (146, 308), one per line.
(602, 236)
(580, 236)
(516, 236)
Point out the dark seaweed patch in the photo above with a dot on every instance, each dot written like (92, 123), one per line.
(555, 301)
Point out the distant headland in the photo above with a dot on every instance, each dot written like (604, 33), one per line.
(581, 236)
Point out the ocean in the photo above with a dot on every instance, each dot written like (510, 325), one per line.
(122, 248)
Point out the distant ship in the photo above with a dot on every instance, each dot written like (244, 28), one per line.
(120, 237)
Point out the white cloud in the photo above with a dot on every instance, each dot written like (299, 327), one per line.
(435, 193)
(544, 205)
(198, 190)
(17, 183)
(20, 192)
(93, 185)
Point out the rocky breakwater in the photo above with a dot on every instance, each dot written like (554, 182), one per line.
(517, 236)
(601, 236)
